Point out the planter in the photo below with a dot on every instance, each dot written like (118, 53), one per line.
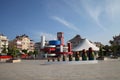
(100, 58)
(114, 57)
(13, 60)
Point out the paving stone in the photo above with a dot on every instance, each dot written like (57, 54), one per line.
(38, 70)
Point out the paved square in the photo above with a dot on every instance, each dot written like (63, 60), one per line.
(37, 70)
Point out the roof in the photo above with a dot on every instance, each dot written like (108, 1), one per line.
(77, 37)
(85, 44)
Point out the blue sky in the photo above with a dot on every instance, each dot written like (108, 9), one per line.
(96, 20)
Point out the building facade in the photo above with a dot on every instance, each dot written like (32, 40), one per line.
(23, 42)
(3, 42)
(32, 46)
(38, 46)
(98, 44)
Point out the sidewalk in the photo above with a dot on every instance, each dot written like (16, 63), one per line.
(37, 70)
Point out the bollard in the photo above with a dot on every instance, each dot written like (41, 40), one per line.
(64, 57)
(70, 57)
(53, 59)
(48, 60)
(58, 59)
(84, 55)
(90, 54)
(77, 57)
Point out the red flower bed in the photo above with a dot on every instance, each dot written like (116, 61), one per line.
(5, 57)
(23, 56)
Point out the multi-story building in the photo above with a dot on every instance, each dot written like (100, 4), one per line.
(38, 46)
(23, 42)
(3, 42)
(32, 46)
(98, 44)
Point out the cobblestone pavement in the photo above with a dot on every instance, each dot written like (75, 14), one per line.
(37, 70)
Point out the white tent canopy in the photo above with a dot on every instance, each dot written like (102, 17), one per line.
(85, 44)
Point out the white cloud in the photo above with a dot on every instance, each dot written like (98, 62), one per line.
(94, 12)
(74, 5)
(65, 23)
(49, 36)
(113, 8)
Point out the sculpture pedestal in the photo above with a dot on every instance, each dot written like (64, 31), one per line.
(13, 61)
(100, 58)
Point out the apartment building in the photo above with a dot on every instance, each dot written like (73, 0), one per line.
(3, 42)
(23, 42)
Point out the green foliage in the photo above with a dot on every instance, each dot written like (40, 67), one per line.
(4, 50)
(115, 49)
(84, 56)
(14, 52)
(30, 53)
(35, 52)
(25, 51)
(101, 52)
(77, 57)
(106, 50)
(91, 56)
(111, 42)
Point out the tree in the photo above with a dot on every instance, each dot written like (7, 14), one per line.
(35, 52)
(111, 42)
(4, 50)
(30, 53)
(114, 49)
(25, 51)
(14, 52)
(101, 52)
(107, 50)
